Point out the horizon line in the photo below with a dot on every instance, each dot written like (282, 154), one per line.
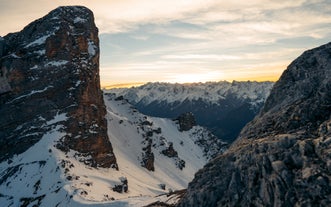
(136, 84)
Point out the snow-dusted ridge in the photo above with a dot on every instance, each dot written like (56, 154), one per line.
(211, 92)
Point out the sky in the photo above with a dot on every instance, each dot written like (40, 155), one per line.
(191, 40)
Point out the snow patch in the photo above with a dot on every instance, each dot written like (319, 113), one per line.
(39, 41)
(91, 48)
(14, 55)
(58, 118)
(34, 67)
(31, 93)
(57, 63)
(78, 83)
(40, 52)
(79, 20)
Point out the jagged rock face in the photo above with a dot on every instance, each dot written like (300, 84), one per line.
(49, 69)
(186, 121)
(282, 157)
(300, 100)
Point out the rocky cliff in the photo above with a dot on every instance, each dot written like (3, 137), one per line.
(50, 71)
(282, 157)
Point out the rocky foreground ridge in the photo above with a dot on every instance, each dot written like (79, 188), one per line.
(49, 75)
(282, 157)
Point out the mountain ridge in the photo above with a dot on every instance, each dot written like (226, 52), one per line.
(209, 91)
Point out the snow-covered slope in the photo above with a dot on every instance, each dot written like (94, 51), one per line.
(222, 107)
(46, 176)
(132, 132)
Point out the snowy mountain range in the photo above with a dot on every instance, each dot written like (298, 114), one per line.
(222, 107)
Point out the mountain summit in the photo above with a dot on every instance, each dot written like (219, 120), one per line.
(282, 157)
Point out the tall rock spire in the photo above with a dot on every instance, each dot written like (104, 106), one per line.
(48, 69)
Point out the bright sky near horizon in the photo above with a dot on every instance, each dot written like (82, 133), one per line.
(191, 40)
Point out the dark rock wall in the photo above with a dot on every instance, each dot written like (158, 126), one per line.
(52, 68)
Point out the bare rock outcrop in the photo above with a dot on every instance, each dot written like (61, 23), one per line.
(282, 157)
(186, 121)
(49, 70)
